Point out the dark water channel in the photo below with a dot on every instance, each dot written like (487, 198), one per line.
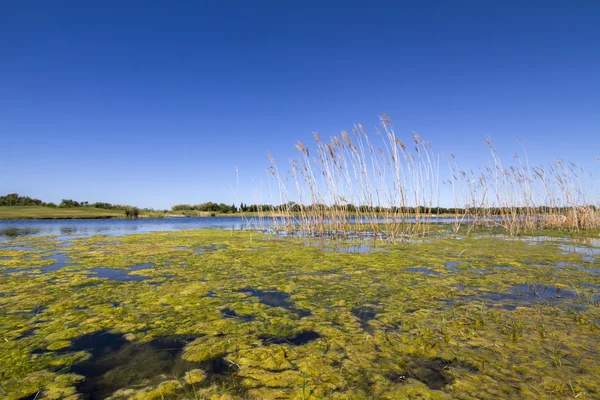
(61, 260)
(116, 363)
(523, 295)
(274, 298)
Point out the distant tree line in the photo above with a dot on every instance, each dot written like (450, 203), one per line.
(14, 199)
(225, 209)
(294, 207)
(351, 208)
(207, 207)
(68, 203)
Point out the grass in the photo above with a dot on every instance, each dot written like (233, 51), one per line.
(38, 212)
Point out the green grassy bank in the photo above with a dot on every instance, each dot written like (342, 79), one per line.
(39, 212)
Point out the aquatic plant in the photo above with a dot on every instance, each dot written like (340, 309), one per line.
(278, 318)
(356, 183)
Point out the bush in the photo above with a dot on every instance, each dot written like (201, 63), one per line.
(132, 212)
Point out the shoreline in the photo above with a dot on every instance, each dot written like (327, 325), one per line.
(173, 217)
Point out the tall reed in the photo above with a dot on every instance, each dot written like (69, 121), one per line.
(356, 184)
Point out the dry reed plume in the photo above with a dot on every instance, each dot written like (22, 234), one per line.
(382, 186)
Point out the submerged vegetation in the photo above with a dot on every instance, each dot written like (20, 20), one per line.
(242, 315)
(358, 183)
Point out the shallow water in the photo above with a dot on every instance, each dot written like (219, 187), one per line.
(229, 313)
(111, 227)
(523, 295)
(117, 363)
(200, 250)
(586, 251)
(60, 261)
(113, 274)
(440, 319)
(274, 298)
(423, 270)
(336, 247)
(353, 249)
(295, 340)
(77, 228)
(141, 266)
(365, 314)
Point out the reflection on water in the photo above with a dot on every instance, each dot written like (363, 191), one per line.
(10, 230)
(211, 248)
(60, 261)
(524, 294)
(423, 270)
(275, 298)
(295, 340)
(586, 251)
(355, 249)
(364, 314)
(113, 274)
(229, 313)
(117, 363)
(330, 246)
(68, 230)
(141, 266)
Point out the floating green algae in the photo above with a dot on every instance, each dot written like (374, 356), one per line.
(221, 314)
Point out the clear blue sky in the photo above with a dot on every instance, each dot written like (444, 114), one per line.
(155, 103)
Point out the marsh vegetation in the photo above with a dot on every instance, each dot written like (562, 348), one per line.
(376, 183)
(215, 314)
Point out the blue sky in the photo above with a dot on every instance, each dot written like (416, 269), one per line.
(155, 103)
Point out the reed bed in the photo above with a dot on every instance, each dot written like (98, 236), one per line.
(357, 185)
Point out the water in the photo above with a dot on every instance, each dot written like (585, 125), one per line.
(141, 266)
(73, 228)
(525, 294)
(113, 274)
(295, 340)
(117, 363)
(333, 246)
(18, 248)
(425, 271)
(274, 298)
(364, 314)
(229, 313)
(200, 250)
(60, 261)
(453, 266)
(573, 249)
(354, 249)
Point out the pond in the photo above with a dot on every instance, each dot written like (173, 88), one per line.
(176, 312)
(70, 228)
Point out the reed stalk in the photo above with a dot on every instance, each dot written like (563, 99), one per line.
(358, 185)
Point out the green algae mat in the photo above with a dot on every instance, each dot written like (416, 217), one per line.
(240, 315)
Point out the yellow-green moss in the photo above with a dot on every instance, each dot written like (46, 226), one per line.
(437, 331)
